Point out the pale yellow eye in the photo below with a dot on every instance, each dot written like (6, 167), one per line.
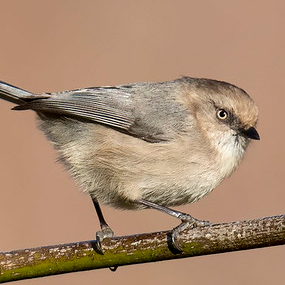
(222, 114)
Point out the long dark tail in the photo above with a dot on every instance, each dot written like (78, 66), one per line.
(17, 95)
(13, 94)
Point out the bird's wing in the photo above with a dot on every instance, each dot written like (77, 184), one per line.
(149, 111)
(101, 105)
(111, 106)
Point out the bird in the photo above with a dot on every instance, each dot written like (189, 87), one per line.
(146, 145)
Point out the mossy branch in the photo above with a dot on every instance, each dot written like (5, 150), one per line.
(126, 250)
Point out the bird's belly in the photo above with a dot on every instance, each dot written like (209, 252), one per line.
(166, 188)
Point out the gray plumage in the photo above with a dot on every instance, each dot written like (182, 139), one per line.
(163, 142)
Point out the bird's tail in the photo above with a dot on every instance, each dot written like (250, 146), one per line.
(17, 95)
(13, 94)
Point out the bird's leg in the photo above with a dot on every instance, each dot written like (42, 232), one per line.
(187, 221)
(106, 231)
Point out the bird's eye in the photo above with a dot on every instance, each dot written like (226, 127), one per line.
(222, 114)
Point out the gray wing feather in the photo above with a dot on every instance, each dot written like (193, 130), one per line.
(148, 111)
(94, 104)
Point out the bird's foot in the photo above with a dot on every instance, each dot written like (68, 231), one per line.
(106, 232)
(187, 222)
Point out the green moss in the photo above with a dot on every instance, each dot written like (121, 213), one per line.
(65, 264)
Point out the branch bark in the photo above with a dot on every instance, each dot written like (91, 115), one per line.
(125, 250)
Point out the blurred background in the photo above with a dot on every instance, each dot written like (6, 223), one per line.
(58, 45)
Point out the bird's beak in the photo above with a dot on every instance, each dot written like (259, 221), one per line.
(251, 133)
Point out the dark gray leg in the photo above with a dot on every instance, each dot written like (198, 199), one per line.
(106, 231)
(187, 221)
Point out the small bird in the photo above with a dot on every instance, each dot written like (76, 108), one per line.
(146, 145)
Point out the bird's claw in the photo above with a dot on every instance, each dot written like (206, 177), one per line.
(106, 232)
(188, 222)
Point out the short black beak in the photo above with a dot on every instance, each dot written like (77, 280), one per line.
(251, 133)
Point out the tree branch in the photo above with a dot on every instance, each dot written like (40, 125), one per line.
(119, 251)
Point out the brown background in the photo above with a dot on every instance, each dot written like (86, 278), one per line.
(56, 45)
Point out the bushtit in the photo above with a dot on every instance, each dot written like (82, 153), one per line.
(146, 144)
